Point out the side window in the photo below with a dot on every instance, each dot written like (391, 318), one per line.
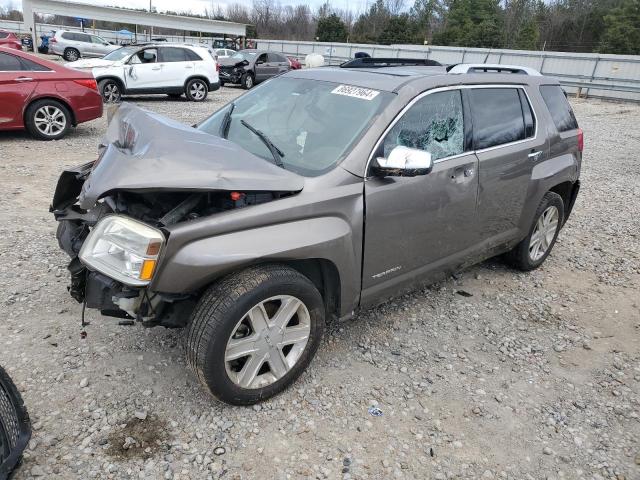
(9, 63)
(33, 66)
(497, 116)
(97, 40)
(148, 55)
(559, 107)
(4, 34)
(262, 58)
(68, 36)
(529, 119)
(172, 54)
(192, 56)
(275, 58)
(435, 124)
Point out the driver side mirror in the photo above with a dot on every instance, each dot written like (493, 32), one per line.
(404, 162)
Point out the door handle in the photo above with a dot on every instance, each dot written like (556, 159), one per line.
(535, 155)
(156, 68)
(24, 79)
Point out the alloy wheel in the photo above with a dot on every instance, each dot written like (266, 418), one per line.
(267, 342)
(111, 93)
(72, 55)
(50, 120)
(249, 82)
(544, 232)
(197, 90)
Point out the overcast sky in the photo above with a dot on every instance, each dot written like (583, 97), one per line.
(198, 6)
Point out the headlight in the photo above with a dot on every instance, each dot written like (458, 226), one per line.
(124, 249)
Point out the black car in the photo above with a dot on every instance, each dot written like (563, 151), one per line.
(248, 67)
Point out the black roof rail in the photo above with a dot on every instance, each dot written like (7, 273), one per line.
(370, 62)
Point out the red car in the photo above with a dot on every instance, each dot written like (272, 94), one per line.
(44, 97)
(10, 40)
(295, 63)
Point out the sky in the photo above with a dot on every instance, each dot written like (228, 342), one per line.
(196, 6)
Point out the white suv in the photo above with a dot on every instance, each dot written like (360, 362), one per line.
(172, 69)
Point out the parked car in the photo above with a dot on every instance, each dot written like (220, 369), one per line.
(26, 42)
(172, 69)
(249, 229)
(225, 53)
(10, 40)
(15, 426)
(44, 97)
(294, 62)
(248, 67)
(74, 45)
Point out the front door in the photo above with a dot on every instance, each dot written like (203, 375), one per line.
(508, 146)
(414, 225)
(144, 72)
(264, 69)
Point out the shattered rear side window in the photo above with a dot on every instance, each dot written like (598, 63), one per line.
(434, 124)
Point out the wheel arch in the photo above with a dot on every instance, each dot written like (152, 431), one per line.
(115, 78)
(55, 99)
(199, 77)
(568, 191)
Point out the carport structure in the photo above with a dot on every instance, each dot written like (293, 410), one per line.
(133, 17)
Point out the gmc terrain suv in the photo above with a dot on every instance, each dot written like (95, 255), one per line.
(318, 193)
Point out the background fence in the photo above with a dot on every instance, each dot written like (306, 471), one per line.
(592, 74)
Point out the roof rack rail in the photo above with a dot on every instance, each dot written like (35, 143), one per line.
(370, 62)
(492, 68)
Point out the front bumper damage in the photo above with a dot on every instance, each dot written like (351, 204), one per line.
(94, 289)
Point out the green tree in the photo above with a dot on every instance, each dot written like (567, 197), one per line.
(528, 35)
(622, 29)
(425, 14)
(472, 23)
(331, 29)
(370, 24)
(399, 30)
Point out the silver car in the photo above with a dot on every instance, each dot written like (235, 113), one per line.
(73, 45)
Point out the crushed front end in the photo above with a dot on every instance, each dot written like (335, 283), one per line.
(115, 213)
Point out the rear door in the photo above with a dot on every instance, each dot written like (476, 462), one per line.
(16, 86)
(279, 63)
(175, 66)
(508, 144)
(416, 225)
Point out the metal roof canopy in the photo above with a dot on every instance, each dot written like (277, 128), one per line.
(134, 17)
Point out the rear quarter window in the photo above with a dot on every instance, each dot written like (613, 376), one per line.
(3, 35)
(9, 63)
(192, 56)
(497, 116)
(559, 107)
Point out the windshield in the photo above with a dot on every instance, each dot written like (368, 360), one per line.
(121, 53)
(313, 123)
(243, 56)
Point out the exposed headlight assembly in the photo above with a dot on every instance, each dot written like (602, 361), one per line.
(123, 249)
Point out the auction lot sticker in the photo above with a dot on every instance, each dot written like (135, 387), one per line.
(357, 92)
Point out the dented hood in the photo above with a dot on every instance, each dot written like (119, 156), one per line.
(146, 151)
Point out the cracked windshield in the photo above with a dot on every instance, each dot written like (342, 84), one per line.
(311, 123)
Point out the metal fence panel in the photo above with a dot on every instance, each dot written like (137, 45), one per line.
(609, 76)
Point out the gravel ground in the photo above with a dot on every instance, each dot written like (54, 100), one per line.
(533, 376)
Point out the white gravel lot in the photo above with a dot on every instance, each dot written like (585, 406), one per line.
(534, 376)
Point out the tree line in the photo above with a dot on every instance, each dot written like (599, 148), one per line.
(605, 26)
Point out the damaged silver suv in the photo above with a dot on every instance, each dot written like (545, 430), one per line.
(318, 193)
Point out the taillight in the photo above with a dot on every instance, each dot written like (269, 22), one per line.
(217, 67)
(53, 40)
(87, 82)
(580, 140)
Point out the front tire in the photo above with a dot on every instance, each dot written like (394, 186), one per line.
(71, 54)
(48, 119)
(247, 81)
(196, 90)
(110, 90)
(254, 332)
(534, 249)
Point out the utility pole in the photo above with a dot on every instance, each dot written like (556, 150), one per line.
(151, 30)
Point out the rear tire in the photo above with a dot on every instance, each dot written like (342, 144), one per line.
(534, 249)
(110, 90)
(71, 54)
(48, 119)
(196, 90)
(231, 311)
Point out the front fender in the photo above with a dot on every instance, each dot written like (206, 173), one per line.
(198, 263)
